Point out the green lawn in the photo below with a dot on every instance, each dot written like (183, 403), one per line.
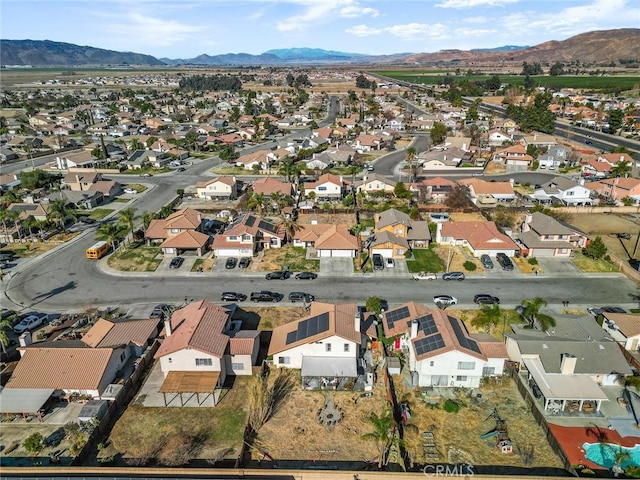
(100, 213)
(589, 265)
(425, 259)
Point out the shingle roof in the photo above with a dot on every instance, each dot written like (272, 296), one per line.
(392, 217)
(199, 325)
(380, 238)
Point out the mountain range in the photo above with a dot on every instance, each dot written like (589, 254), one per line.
(591, 47)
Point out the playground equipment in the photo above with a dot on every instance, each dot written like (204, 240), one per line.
(500, 432)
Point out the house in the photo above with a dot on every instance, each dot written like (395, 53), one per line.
(395, 233)
(563, 190)
(134, 335)
(268, 186)
(439, 350)
(259, 159)
(543, 236)
(624, 328)
(85, 180)
(142, 158)
(515, 157)
(593, 168)
(372, 183)
(496, 138)
(180, 231)
(617, 189)
(539, 140)
(328, 187)
(80, 200)
(325, 345)
(224, 187)
(434, 190)
(9, 181)
(329, 240)
(482, 238)
(488, 194)
(247, 235)
(202, 346)
(443, 159)
(614, 158)
(25, 210)
(6, 154)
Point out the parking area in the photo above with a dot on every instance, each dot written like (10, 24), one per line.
(336, 267)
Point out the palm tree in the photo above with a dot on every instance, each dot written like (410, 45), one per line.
(30, 223)
(621, 169)
(290, 226)
(111, 233)
(488, 317)
(146, 219)
(256, 202)
(411, 155)
(289, 169)
(383, 434)
(620, 455)
(59, 211)
(127, 216)
(532, 313)
(5, 326)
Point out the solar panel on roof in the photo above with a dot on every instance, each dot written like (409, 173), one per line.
(291, 337)
(429, 344)
(266, 226)
(395, 315)
(463, 340)
(250, 221)
(308, 328)
(427, 324)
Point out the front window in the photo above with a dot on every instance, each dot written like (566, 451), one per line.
(461, 378)
(237, 366)
(466, 365)
(486, 371)
(284, 360)
(327, 347)
(346, 347)
(204, 362)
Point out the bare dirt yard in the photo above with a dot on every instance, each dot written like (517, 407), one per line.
(457, 435)
(268, 318)
(606, 225)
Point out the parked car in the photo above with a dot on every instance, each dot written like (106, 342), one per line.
(610, 309)
(624, 235)
(231, 263)
(486, 299)
(176, 262)
(453, 276)
(130, 191)
(233, 297)
(86, 220)
(504, 261)
(146, 175)
(486, 261)
(378, 261)
(425, 276)
(244, 262)
(444, 301)
(596, 312)
(30, 322)
(280, 275)
(266, 296)
(160, 310)
(181, 169)
(306, 276)
(5, 313)
(389, 262)
(301, 297)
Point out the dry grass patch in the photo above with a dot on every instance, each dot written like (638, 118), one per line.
(590, 265)
(290, 256)
(467, 217)
(34, 249)
(330, 218)
(458, 257)
(457, 435)
(269, 318)
(141, 259)
(525, 267)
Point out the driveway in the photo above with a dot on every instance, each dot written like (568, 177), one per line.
(336, 267)
(558, 266)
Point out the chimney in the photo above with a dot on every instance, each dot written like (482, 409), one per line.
(25, 340)
(199, 216)
(512, 182)
(581, 181)
(357, 319)
(568, 364)
(167, 327)
(414, 329)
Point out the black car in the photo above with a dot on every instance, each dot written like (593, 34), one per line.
(233, 297)
(485, 299)
(301, 297)
(181, 169)
(306, 276)
(176, 262)
(244, 262)
(280, 275)
(504, 261)
(609, 309)
(159, 311)
(378, 261)
(486, 261)
(86, 220)
(231, 263)
(453, 276)
(266, 296)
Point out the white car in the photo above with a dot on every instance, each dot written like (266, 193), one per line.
(130, 191)
(444, 301)
(425, 276)
(30, 322)
(389, 262)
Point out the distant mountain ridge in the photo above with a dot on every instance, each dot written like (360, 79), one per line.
(591, 47)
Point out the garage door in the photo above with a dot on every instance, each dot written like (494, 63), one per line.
(385, 252)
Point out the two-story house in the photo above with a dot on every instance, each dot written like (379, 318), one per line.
(543, 236)
(328, 187)
(617, 189)
(439, 349)
(487, 194)
(624, 328)
(180, 231)
(374, 183)
(395, 233)
(563, 190)
(433, 190)
(515, 157)
(224, 187)
(247, 235)
(325, 345)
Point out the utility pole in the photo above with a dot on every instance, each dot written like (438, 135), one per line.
(635, 249)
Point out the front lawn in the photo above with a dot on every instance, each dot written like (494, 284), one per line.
(589, 265)
(100, 213)
(289, 256)
(425, 260)
(136, 259)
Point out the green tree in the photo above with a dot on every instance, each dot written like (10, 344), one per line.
(290, 226)
(616, 119)
(458, 198)
(5, 326)
(256, 202)
(556, 69)
(596, 249)
(374, 304)
(35, 179)
(400, 190)
(532, 313)
(111, 232)
(383, 435)
(488, 317)
(289, 169)
(146, 219)
(621, 169)
(411, 156)
(127, 217)
(438, 133)
(33, 443)
(59, 212)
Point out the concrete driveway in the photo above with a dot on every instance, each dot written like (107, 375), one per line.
(336, 267)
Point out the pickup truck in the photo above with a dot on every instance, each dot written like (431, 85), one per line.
(266, 296)
(425, 276)
(30, 322)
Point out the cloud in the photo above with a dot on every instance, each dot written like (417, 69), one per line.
(474, 32)
(320, 11)
(479, 19)
(473, 3)
(363, 31)
(408, 31)
(138, 29)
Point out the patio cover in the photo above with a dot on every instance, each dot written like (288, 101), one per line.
(557, 386)
(329, 367)
(190, 382)
(23, 400)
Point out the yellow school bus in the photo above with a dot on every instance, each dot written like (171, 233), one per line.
(98, 250)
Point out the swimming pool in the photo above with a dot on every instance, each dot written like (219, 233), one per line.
(603, 454)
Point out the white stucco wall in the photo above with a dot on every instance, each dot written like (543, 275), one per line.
(317, 349)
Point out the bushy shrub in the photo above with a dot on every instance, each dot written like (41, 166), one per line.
(532, 261)
(451, 407)
(469, 266)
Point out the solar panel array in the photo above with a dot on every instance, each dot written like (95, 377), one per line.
(308, 328)
(267, 226)
(463, 340)
(428, 344)
(396, 315)
(427, 324)
(250, 221)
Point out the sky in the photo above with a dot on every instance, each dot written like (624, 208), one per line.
(187, 28)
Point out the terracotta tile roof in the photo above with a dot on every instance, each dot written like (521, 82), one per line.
(96, 333)
(438, 182)
(490, 346)
(326, 178)
(61, 368)
(243, 342)
(614, 158)
(482, 187)
(200, 326)
(269, 185)
(186, 239)
(310, 233)
(598, 166)
(114, 334)
(341, 323)
(259, 156)
(480, 235)
(628, 323)
(622, 183)
(185, 218)
(337, 237)
(226, 179)
(156, 229)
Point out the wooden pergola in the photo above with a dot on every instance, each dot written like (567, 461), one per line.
(191, 383)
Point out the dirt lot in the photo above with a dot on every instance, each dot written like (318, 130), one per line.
(607, 225)
(268, 318)
(457, 435)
